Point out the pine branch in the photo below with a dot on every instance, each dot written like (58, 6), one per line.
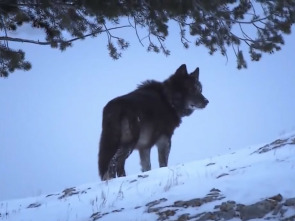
(6, 38)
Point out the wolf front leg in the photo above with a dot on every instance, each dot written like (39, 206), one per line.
(164, 145)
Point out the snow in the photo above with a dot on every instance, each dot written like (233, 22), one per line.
(245, 176)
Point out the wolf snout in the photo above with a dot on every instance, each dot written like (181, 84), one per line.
(204, 103)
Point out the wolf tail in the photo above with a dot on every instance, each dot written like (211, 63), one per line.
(110, 139)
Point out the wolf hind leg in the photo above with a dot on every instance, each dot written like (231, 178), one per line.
(122, 155)
(145, 159)
(117, 163)
(164, 145)
(111, 172)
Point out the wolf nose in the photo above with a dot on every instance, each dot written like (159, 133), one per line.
(206, 101)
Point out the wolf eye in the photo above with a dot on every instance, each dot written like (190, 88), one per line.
(199, 88)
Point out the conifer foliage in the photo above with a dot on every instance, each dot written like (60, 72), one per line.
(219, 25)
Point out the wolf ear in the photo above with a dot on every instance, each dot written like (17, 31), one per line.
(196, 73)
(181, 70)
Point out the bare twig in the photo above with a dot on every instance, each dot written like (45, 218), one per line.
(183, 39)
(244, 33)
(135, 28)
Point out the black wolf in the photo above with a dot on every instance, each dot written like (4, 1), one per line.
(146, 117)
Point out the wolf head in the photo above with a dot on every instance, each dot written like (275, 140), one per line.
(185, 91)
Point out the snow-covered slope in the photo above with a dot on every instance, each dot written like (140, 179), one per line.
(254, 182)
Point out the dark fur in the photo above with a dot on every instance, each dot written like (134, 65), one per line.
(147, 117)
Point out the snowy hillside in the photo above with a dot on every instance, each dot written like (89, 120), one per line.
(251, 183)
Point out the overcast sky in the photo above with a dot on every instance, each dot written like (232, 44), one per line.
(50, 117)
